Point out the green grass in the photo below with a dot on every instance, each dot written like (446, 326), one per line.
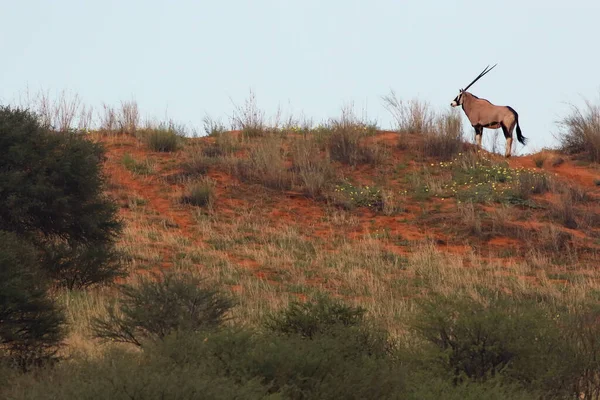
(145, 167)
(161, 139)
(352, 196)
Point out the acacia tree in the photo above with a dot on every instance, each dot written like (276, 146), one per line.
(51, 194)
(30, 322)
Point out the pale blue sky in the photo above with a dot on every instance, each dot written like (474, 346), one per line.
(189, 58)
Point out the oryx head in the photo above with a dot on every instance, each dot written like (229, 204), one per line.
(458, 100)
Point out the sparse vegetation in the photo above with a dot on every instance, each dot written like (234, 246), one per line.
(436, 271)
(350, 196)
(444, 141)
(201, 194)
(266, 165)
(580, 134)
(144, 167)
(346, 141)
(539, 159)
(313, 169)
(162, 139)
(414, 116)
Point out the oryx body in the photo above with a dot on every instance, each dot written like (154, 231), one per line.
(483, 114)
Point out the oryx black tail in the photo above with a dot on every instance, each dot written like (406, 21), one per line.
(522, 139)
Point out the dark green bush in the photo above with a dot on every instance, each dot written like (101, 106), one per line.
(325, 317)
(81, 265)
(52, 191)
(517, 340)
(120, 375)
(30, 322)
(325, 367)
(160, 305)
(311, 318)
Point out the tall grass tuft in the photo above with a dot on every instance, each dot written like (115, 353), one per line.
(345, 140)
(249, 118)
(201, 194)
(266, 165)
(313, 169)
(580, 134)
(162, 138)
(413, 116)
(444, 141)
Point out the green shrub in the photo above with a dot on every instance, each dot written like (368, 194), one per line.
(160, 305)
(311, 318)
(324, 318)
(220, 365)
(162, 139)
(122, 375)
(431, 386)
(52, 192)
(506, 338)
(326, 367)
(30, 322)
(581, 329)
(81, 265)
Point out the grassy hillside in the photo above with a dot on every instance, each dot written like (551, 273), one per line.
(366, 215)
(378, 219)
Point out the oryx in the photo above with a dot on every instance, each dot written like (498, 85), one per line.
(483, 114)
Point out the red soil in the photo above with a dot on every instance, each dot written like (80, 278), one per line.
(310, 217)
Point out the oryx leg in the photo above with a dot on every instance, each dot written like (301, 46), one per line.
(509, 139)
(478, 134)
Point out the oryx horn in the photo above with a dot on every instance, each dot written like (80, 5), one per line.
(485, 71)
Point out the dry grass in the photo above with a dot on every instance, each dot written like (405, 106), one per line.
(62, 112)
(580, 134)
(225, 144)
(201, 193)
(414, 116)
(196, 163)
(108, 119)
(445, 140)
(539, 159)
(470, 218)
(345, 141)
(249, 118)
(266, 165)
(128, 117)
(313, 169)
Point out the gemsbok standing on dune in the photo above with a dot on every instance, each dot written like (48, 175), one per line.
(483, 114)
